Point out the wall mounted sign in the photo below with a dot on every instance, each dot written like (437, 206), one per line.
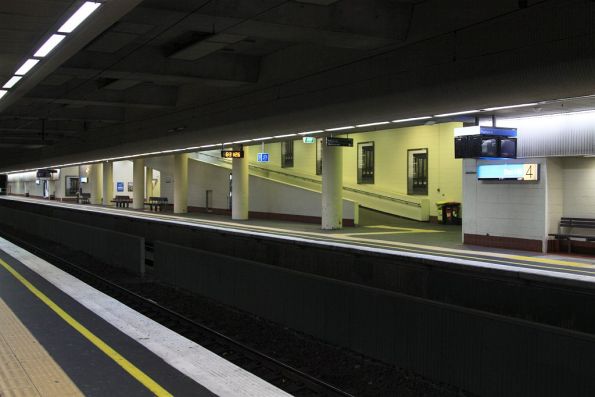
(309, 139)
(232, 154)
(514, 172)
(119, 186)
(334, 141)
(262, 157)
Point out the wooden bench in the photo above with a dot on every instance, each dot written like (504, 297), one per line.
(575, 228)
(156, 203)
(122, 201)
(84, 198)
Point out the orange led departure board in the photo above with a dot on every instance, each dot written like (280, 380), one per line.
(232, 154)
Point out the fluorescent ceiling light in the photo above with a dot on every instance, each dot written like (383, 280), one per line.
(347, 127)
(371, 124)
(192, 148)
(310, 132)
(457, 113)
(11, 83)
(284, 136)
(212, 145)
(49, 45)
(264, 138)
(244, 141)
(412, 119)
(79, 16)
(512, 106)
(2, 93)
(171, 150)
(26, 67)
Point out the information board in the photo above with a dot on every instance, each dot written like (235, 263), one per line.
(334, 141)
(119, 186)
(517, 172)
(232, 154)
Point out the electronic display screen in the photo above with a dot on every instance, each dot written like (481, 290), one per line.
(489, 147)
(508, 148)
(84, 179)
(232, 154)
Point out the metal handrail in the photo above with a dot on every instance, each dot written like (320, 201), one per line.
(350, 189)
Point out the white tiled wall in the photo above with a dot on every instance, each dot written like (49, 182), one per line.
(579, 187)
(504, 208)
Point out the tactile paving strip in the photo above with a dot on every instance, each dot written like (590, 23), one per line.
(26, 368)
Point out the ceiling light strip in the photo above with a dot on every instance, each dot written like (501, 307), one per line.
(49, 45)
(26, 67)
(12, 82)
(511, 106)
(373, 124)
(412, 119)
(457, 113)
(347, 127)
(84, 11)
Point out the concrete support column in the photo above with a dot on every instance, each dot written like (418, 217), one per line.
(239, 187)
(108, 182)
(332, 187)
(180, 183)
(96, 183)
(138, 184)
(149, 182)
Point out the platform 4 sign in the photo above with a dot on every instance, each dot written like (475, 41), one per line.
(232, 154)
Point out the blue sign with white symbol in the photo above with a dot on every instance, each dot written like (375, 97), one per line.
(262, 157)
(120, 186)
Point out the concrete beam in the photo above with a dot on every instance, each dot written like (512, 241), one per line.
(150, 64)
(145, 96)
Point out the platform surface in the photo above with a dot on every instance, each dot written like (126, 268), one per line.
(61, 337)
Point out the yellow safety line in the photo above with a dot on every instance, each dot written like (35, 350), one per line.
(101, 345)
(388, 232)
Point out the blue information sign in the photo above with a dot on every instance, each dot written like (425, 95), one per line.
(262, 157)
(519, 172)
(120, 186)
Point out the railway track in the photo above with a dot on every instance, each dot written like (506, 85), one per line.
(283, 376)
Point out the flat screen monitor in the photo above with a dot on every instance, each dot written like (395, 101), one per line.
(84, 179)
(489, 147)
(508, 148)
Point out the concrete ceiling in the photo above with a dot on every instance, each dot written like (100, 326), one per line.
(154, 74)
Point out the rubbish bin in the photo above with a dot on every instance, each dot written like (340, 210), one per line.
(449, 212)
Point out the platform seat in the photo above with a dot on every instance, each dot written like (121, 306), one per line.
(569, 229)
(122, 201)
(156, 203)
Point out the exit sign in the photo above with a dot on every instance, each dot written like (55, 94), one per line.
(262, 157)
(309, 139)
(232, 154)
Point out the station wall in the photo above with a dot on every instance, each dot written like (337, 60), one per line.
(508, 214)
(579, 187)
(266, 196)
(390, 168)
(520, 215)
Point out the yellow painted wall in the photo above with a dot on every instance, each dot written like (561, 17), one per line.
(390, 146)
